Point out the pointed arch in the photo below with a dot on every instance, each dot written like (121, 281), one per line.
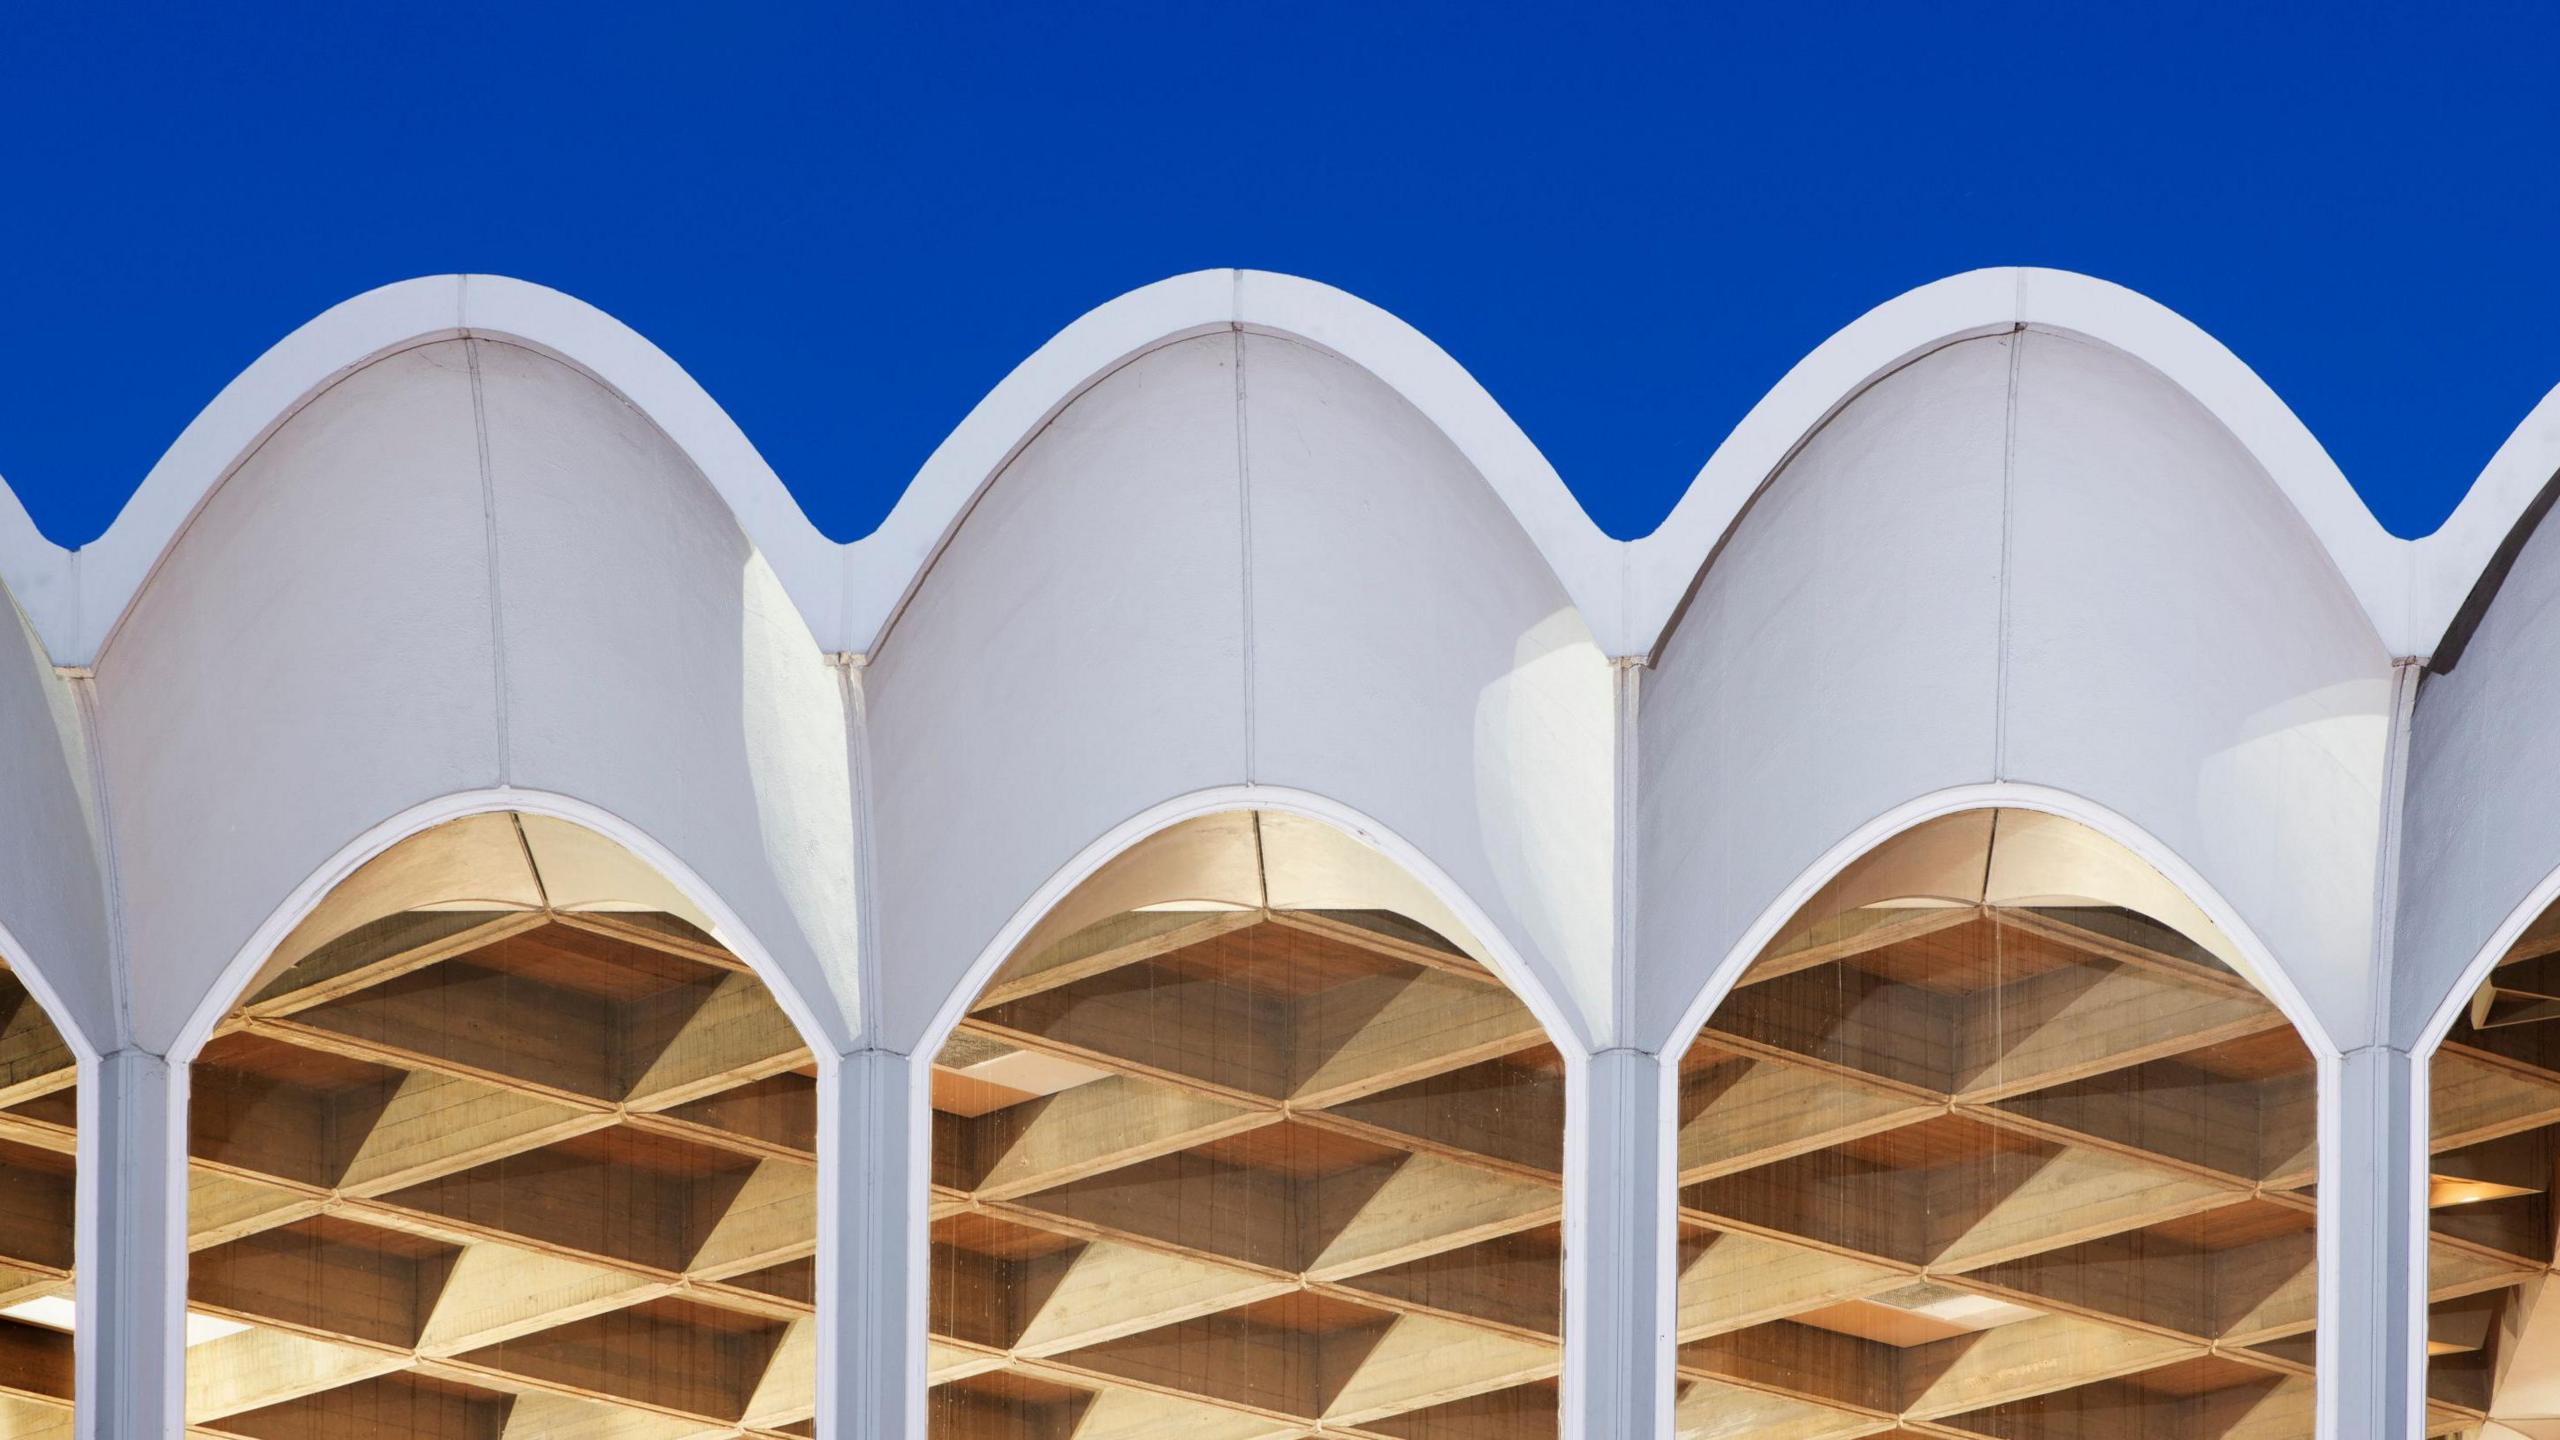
(2486, 1144)
(1241, 1078)
(47, 1219)
(2139, 995)
(504, 1116)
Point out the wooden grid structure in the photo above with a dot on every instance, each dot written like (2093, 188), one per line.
(38, 1106)
(1246, 1173)
(1997, 1173)
(504, 1175)
(2493, 1336)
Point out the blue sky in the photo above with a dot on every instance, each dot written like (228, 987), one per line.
(1628, 222)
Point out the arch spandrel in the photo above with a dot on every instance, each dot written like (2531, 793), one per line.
(53, 906)
(847, 593)
(1840, 656)
(2181, 650)
(654, 665)
(313, 653)
(1074, 656)
(1395, 594)
(2477, 838)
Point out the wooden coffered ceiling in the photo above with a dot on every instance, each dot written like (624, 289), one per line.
(2493, 1333)
(1239, 1173)
(1996, 1172)
(37, 1191)
(505, 1175)
(1960, 1170)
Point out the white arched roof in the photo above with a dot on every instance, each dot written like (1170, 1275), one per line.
(1628, 591)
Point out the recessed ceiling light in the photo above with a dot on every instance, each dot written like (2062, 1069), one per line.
(59, 1312)
(201, 1328)
(54, 1312)
(2445, 1190)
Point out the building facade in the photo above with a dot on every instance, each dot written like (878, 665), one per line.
(1238, 913)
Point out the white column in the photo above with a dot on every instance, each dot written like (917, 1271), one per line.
(1619, 1241)
(2372, 1246)
(874, 1152)
(132, 1249)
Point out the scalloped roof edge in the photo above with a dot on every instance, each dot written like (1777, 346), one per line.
(1630, 592)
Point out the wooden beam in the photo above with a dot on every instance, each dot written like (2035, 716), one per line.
(34, 1061)
(1803, 1362)
(1115, 1412)
(1852, 933)
(222, 1208)
(2125, 938)
(464, 1020)
(1098, 949)
(1239, 1359)
(2252, 1407)
(435, 1124)
(1509, 1282)
(1420, 1361)
(494, 1293)
(2029, 1358)
(539, 1415)
(696, 1041)
(1745, 1111)
(31, 1419)
(1379, 1033)
(1969, 1206)
(1104, 1289)
(1848, 1020)
(259, 1367)
(1416, 1205)
(386, 949)
(1108, 1124)
(1730, 1281)
(36, 1364)
(659, 1355)
(2069, 1024)
(1715, 1410)
(1141, 1022)
(2165, 1109)
(1996, 1209)
(786, 1393)
(326, 1282)
(2476, 1096)
(654, 930)
(771, 1216)
(1523, 1412)
(387, 1407)
(1497, 1111)
(1387, 936)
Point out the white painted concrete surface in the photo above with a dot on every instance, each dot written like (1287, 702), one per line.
(1240, 541)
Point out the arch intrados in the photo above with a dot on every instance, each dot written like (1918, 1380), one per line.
(2266, 974)
(1055, 900)
(2449, 1006)
(233, 985)
(1479, 930)
(22, 964)
(2262, 968)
